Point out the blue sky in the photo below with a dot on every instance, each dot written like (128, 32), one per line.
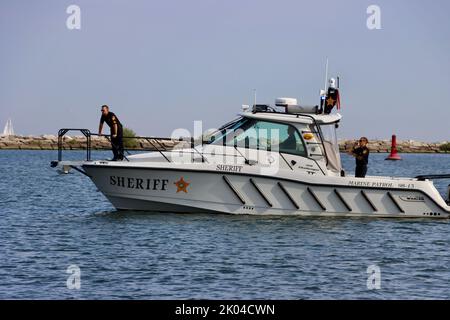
(160, 65)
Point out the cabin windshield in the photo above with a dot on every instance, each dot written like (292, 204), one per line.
(331, 146)
(261, 135)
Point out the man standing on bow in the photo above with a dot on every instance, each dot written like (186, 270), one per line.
(116, 132)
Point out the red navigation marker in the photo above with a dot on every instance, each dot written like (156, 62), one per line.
(394, 154)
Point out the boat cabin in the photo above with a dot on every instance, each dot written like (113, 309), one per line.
(300, 137)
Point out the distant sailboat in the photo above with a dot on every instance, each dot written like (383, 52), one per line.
(8, 130)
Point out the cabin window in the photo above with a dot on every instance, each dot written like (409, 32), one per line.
(331, 146)
(264, 135)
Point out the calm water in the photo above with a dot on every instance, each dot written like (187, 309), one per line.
(50, 221)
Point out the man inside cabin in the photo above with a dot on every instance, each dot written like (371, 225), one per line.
(116, 132)
(361, 153)
(290, 144)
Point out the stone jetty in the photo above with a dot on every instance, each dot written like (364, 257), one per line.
(403, 146)
(50, 142)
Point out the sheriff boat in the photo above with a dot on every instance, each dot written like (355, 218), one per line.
(271, 160)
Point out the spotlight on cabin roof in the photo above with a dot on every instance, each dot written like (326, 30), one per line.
(291, 105)
(284, 102)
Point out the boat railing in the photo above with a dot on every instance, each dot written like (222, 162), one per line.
(85, 132)
(433, 177)
(157, 143)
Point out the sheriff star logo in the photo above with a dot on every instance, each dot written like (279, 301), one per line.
(330, 101)
(181, 185)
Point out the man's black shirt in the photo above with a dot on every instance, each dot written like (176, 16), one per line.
(362, 155)
(111, 119)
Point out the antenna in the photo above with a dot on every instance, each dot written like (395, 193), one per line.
(326, 76)
(254, 96)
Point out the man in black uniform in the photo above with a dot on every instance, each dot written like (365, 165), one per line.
(290, 144)
(116, 132)
(361, 153)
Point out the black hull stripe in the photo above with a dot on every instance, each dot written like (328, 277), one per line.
(311, 192)
(261, 192)
(366, 197)
(391, 196)
(288, 195)
(343, 200)
(238, 195)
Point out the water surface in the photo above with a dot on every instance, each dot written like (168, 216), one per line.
(50, 221)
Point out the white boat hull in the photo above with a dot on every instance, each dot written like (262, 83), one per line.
(190, 190)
